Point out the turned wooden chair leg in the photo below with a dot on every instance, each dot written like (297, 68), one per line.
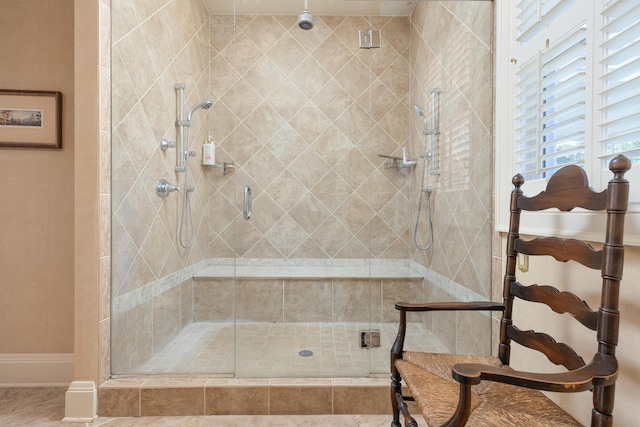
(602, 406)
(395, 389)
(396, 381)
(409, 421)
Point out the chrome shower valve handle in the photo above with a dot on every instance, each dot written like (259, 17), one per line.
(166, 144)
(164, 188)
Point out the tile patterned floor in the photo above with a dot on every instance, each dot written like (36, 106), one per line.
(44, 407)
(268, 350)
(273, 349)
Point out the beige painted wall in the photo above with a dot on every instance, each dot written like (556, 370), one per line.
(36, 212)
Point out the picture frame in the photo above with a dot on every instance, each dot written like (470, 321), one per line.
(31, 119)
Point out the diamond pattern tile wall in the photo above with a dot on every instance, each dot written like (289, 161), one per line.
(450, 50)
(310, 110)
(303, 115)
(154, 45)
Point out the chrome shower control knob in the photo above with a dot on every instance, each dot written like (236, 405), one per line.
(164, 144)
(164, 188)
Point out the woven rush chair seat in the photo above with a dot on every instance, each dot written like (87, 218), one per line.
(492, 404)
(453, 390)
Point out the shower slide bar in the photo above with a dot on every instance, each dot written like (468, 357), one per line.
(179, 87)
(434, 132)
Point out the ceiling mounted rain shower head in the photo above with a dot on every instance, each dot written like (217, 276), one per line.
(305, 20)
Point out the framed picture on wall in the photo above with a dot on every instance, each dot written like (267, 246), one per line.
(30, 118)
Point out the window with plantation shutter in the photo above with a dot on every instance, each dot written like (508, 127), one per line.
(551, 111)
(534, 15)
(567, 92)
(562, 108)
(621, 80)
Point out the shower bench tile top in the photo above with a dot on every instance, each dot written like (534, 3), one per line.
(310, 269)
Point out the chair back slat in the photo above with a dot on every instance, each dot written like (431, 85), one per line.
(562, 250)
(567, 189)
(560, 302)
(557, 353)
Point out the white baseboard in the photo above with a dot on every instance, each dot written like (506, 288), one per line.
(36, 370)
(81, 403)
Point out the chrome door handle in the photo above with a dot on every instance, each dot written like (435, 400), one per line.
(247, 203)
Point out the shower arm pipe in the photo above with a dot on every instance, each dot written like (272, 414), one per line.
(179, 87)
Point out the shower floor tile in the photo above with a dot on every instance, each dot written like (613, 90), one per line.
(264, 349)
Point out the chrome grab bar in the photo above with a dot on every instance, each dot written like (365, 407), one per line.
(247, 203)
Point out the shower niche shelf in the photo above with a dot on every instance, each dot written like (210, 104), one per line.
(225, 166)
(399, 162)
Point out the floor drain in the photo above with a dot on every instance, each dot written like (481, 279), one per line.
(305, 353)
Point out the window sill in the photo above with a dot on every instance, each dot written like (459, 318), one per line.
(579, 225)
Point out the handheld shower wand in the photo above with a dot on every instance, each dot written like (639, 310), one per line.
(205, 105)
(425, 192)
(426, 130)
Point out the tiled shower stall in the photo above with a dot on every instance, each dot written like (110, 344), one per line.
(302, 117)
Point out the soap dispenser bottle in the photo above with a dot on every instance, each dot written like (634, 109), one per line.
(209, 152)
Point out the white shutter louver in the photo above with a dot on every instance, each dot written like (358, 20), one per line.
(562, 109)
(551, 108)
(621, 80)
(526, 151)
(534, 15)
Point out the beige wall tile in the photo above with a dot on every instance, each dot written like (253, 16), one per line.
(296, 400)
(307, 301)
(259, 300)
(131, 339)
(351, 300)
(118, 402)
(213, 300)
(394, 290)
(245, 400)
(171, 401)
(361, 400)
(167, 319)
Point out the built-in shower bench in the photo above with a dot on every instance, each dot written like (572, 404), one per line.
(310, 269)
(310, 290)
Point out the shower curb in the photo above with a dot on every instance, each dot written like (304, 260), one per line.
(201, 395)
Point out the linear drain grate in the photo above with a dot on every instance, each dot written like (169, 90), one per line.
(305, 353)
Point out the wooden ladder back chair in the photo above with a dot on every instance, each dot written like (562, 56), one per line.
(459, 390)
